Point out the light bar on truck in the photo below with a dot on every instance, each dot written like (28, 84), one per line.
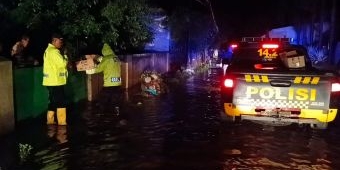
(261, 39)
(233, 45)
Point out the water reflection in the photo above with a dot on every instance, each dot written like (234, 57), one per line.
(180, 130)
(57, 132)
(281, 148)
(56, 154)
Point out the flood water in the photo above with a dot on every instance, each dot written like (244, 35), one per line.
(177, 131)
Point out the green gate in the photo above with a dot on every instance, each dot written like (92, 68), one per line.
(31, 98)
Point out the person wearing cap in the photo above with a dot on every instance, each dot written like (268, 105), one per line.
(110, 65)
(54, 78)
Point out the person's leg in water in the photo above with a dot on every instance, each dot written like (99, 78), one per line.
(117, 102)
(104, 99)
(108, 101)
(52, 105)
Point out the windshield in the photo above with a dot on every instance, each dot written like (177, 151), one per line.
(272, 59)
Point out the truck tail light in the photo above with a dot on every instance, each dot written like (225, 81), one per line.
(335, 87)
(229, 83)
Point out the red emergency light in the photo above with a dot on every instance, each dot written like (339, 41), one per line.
(233, 45)
(261, 67)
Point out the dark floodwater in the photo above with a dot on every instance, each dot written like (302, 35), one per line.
(177, 131)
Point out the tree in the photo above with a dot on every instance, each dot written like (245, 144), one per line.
(193, 30)
(127, 24)
(121, 23)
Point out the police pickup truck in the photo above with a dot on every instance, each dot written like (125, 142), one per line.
(272, 81)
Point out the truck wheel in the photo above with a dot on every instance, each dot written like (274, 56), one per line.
(320, 125)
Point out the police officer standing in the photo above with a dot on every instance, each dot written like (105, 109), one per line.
(54, 78)
(110, 65)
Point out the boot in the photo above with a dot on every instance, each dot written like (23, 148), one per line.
(50, 118)
(61, 115)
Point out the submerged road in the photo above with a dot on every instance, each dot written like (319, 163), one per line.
(181, 130)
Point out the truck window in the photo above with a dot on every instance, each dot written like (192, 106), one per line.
(274, 59)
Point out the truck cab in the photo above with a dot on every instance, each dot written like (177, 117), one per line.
(270, 80)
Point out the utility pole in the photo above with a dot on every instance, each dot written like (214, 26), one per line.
(208, 3)
(332, 37)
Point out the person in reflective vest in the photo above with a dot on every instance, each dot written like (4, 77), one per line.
(110, 65)
(54, 78)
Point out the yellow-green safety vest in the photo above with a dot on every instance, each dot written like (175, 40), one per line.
(54, 67)
(110, 66)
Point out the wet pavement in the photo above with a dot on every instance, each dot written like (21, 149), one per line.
(180, 130)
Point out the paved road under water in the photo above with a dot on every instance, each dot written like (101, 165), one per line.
(178, 131)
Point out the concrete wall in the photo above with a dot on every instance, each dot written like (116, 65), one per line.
(7, 119)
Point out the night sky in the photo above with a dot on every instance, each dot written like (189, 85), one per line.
(245, 17)
(248, 17)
